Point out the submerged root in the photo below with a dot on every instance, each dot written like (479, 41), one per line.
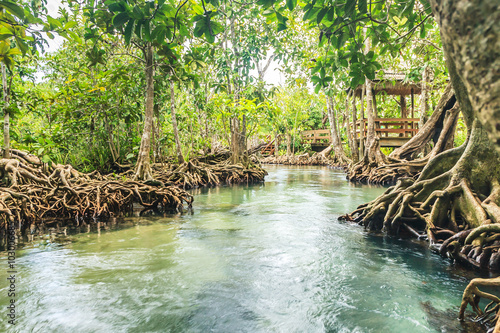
(472, 295)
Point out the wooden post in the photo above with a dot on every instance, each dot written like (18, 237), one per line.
(375, 113)
(412, 104)
(404, 114)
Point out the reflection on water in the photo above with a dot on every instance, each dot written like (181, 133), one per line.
(264, 258)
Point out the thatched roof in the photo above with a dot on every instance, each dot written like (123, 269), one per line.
(392, 84)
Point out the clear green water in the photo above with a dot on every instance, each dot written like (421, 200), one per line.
(263, 258)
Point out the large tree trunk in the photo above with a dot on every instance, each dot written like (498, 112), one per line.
(6, 120)
(143, 166)
(470, 33)
(180, 158)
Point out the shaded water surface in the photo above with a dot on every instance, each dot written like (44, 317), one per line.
(263, 258)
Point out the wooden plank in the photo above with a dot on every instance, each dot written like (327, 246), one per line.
(396, 130)
(397, 119)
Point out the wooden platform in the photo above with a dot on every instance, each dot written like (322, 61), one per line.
(393, 132)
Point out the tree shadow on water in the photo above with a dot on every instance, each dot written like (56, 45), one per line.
(447, 321)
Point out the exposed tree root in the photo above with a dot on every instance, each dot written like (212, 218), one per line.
(32, 190)
(472, 295)
(195, 173)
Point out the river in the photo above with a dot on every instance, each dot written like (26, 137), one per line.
(263, 258)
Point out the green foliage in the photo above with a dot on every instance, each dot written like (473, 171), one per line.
(88, 109)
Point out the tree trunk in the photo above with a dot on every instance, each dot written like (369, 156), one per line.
(340, 158)
(6, 120)
(370, 132)
(180, 158)
(354, 150)
(276, 144)
(470, 33)
(424, 105)
(362, 128)
(143, 166)
(346, 123)
(238, 139)
(288, 143)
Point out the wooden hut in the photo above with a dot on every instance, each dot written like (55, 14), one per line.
(393, 132)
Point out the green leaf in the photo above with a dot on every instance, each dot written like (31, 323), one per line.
(120, 19)
(146, 31)
(322, 14)
(216, 27)
(183, 30)
(291, 4)
(210, 38)
(137, 13)
(54, 22)
(46, 159)
(21, 45)
(117, 7)
(314, 70)
(128, 31)
(70, 25)
(331, 14)
(12, 8)
(362, 6)
(75, 37)
(422, 31)
(317, 88)
(281, 27)
(138, 30)
(200, 28)
(349, 7)
(5, 36)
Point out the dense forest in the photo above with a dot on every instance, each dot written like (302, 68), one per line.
(144, 100)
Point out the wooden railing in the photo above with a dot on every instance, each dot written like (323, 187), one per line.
(385, 128)
(269, 147)
(316, 137)
(389, 127)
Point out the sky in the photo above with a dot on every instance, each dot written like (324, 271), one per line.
(52, 7)
(273, 75)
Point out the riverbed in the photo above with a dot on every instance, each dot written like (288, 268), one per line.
(262, 258)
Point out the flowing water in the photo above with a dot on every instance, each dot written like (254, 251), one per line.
(264, 258)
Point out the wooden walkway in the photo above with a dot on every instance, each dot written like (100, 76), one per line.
(393, 132)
